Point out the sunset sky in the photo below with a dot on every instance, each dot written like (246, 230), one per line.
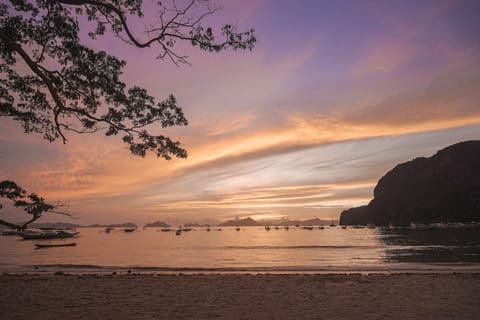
(334, 95)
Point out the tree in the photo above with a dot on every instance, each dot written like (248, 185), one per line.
(32, 204)
(69, 87)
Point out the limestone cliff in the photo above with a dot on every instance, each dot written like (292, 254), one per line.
(444, 187)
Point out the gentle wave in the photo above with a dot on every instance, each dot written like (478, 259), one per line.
(296, 247)
(400, 267)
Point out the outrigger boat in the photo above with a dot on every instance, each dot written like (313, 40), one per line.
(53, 245)
(50, 234)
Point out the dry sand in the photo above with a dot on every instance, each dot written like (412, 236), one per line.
(327, 296)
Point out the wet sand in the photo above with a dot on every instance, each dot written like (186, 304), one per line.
(323, 296)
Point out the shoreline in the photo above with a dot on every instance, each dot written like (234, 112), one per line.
(241, 296)
(396, 268)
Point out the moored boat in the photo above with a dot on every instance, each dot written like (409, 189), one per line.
(54, 245)
(50, 234)
(10, 232)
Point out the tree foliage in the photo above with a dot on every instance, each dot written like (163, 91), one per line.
(52, 83)
(68, 86)
(30, 203)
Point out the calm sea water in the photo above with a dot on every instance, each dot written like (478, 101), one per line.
(252, 249)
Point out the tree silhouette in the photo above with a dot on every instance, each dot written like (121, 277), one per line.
(52, 84)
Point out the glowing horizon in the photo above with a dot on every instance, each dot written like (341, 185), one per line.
(303, 126)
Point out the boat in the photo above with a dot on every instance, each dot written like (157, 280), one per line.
(166, 229)
(267, 227)
(307, 227)
(333, 225)
(10, 233)
(287, 227)
(129, 229)
(321, 227)
(237, 228)
(50, 234)
(54, 245)
(108, 229)
(178, 232)
(344, 227)
(186, 229)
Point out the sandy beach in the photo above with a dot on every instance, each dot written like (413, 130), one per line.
(294, 296)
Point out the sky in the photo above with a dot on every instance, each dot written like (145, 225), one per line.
(333, 96)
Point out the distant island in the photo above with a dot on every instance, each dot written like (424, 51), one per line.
(65, 225)
(161, 224)
(117, 225)
(157, 224)
(441, 188)
(246, 222)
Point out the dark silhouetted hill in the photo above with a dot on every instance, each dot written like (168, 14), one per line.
(240, 222)
(156, 224)
(251, 222)
(55, 225)
(117, 225)
(308, 222)
(442, 188)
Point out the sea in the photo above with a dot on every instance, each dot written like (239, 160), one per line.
(249, 250)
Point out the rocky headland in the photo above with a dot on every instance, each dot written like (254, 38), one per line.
(441, 188)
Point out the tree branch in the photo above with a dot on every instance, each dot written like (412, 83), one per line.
(34, 67)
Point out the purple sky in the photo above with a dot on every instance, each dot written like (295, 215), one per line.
(333, 96)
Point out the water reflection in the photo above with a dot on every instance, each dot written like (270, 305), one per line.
(431, 245)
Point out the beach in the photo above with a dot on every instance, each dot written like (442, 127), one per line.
(240, 296)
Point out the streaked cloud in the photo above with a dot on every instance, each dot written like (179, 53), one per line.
(303, 126)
